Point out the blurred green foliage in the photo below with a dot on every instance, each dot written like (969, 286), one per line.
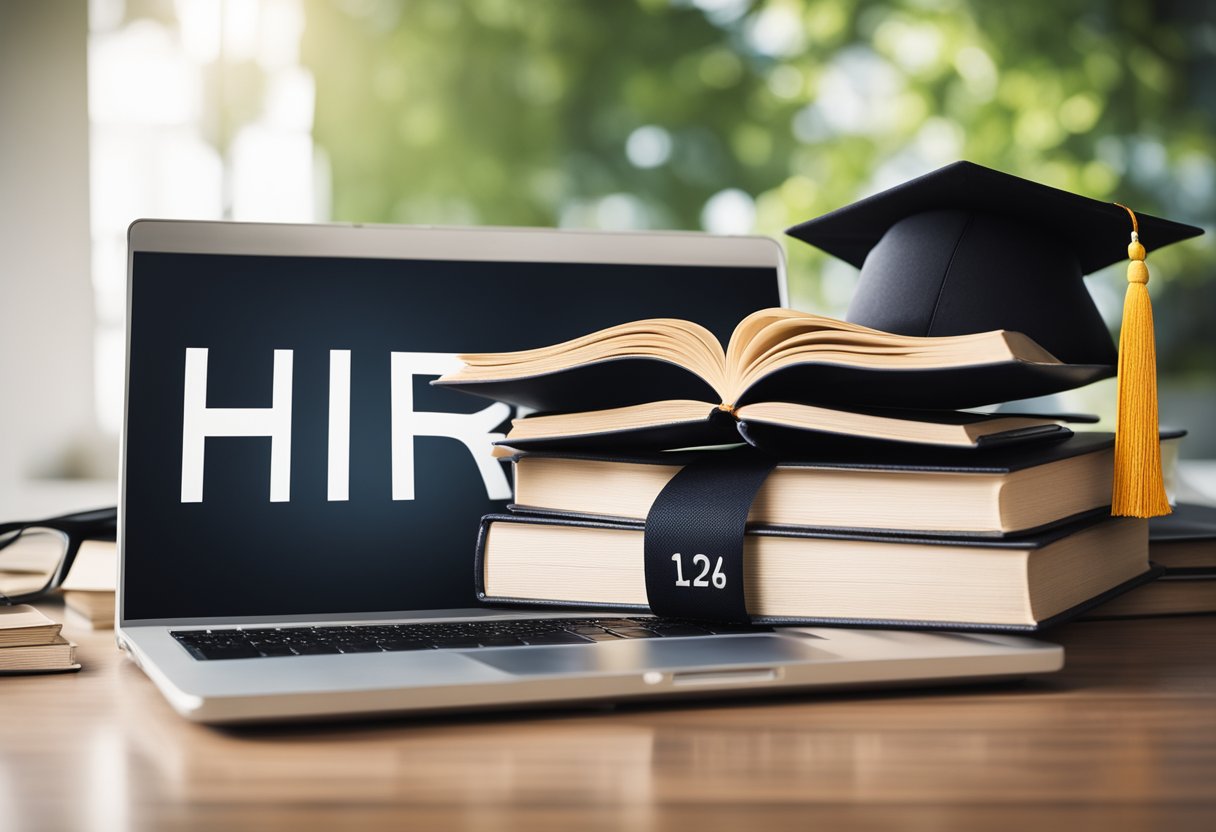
(637, 113)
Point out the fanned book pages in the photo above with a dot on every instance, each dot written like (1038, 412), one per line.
(897, 489)
(817, 578)
(774, 355)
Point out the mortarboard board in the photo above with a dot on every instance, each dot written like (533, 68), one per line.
(970, 249)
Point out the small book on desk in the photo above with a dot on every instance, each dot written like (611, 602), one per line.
(93, 609)
(774, 355)
(30, 642)
(88, 590)
(819, 578)
(1184, 544)
(1184, 541)
(1168, 595)
(897, 489)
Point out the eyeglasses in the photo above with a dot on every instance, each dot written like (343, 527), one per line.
(35, 557)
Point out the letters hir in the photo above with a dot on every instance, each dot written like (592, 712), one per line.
(473, 430)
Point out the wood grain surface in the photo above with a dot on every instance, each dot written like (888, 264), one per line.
(1123, 738)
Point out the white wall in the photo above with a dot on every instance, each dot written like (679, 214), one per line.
(46, 302)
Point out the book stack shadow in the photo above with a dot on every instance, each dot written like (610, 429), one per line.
(873, 493)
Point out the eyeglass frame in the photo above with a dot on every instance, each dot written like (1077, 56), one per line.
(95, 524)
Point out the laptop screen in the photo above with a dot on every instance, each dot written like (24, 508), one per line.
(285, 454)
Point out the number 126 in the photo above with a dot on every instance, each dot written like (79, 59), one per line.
(718, 578)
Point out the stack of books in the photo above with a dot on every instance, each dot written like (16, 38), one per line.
(30, 642)
(875, 514)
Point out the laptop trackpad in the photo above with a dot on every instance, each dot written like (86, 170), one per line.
(650, 654)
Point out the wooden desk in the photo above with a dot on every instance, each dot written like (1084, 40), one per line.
(1124, 738)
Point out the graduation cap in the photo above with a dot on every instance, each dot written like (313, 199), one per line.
(970, 249)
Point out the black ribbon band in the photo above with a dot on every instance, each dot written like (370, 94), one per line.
(694, 536)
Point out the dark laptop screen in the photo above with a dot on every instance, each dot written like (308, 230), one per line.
(285, 454)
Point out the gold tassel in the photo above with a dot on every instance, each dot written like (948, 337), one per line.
(1139, 490)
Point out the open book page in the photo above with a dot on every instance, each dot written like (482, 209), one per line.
(771, 340)
(490, 359)
(685, 343)
(604, 421)
(765, 330)
(939, 428)
(944, 428)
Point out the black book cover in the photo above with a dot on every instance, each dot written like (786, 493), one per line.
(884, 456)
(1188, 521)
(721, 428)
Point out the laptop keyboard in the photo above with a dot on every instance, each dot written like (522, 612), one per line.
(257, 642)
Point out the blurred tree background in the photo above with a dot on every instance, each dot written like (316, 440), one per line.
(751, 115)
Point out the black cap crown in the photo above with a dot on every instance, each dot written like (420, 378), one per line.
(969, 249)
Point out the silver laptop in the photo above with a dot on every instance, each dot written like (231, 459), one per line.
(299, 506)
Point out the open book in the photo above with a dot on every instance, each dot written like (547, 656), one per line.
(780, 368)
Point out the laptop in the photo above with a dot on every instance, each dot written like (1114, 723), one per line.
(299, 506)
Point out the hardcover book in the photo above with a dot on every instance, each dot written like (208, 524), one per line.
(1185, 540)
(1002, 492)
(1169, 595)
(811, 577)
(93, 609)
(56, 654)
(1184, 544)
(88, 590)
